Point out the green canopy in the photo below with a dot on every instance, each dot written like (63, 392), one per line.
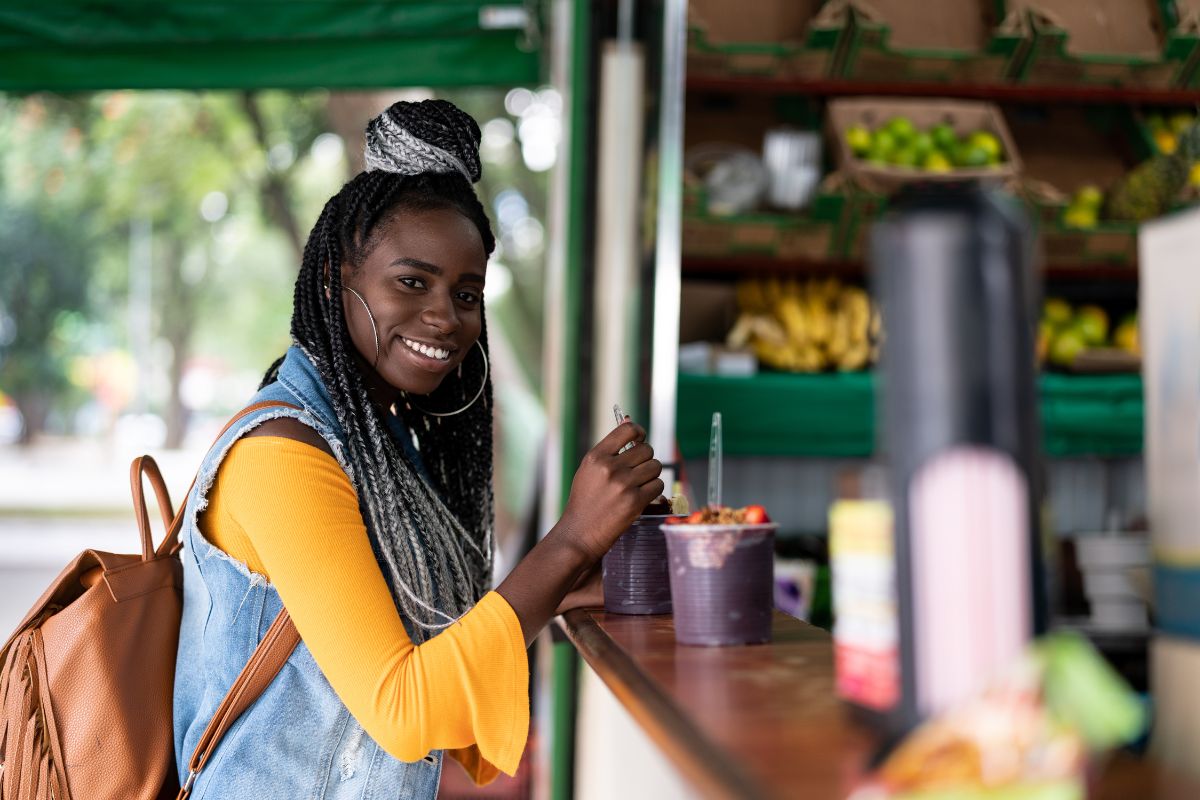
(65, 45)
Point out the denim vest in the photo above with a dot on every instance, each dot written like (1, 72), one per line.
(298, 741)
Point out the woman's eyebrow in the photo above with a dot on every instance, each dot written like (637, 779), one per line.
(432, 269)
(416, 263)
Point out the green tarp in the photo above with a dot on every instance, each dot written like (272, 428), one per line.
(65, 45)
(833, 415)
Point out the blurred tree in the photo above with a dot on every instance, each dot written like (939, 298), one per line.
(44, 271)
(226, 186)
(43, 282)
(187, 164)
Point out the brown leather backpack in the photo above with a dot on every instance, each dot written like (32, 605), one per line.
(86, 681)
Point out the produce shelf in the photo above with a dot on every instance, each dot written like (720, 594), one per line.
(1006, 93)
(750, 265)
(832, 415)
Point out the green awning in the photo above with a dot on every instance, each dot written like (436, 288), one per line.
(833, 414)
(66, 45)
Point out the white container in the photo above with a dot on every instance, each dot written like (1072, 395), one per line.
(1108, 551)
(793, 162)
(1108, 563)
(1110, 584)
(1119, 615)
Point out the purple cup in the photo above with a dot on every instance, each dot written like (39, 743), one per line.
(635, 570)
(722, 582)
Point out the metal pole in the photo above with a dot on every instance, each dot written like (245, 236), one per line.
(665, 353)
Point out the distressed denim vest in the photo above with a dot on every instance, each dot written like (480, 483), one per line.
(298, 741)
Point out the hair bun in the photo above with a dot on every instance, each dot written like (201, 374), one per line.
(428, 136)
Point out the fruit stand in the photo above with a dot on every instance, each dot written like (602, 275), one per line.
(802, 125)
(1088, 157)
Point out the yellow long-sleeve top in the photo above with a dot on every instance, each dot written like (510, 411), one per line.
(288, 511)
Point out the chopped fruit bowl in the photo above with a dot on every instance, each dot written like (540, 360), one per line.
(723, 515)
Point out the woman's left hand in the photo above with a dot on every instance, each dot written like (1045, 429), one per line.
(588, 591)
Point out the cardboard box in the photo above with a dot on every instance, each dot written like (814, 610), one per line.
(1099, 42)
(933, 41)
(777, 38)
(1183, 40)
(1064, 149)
(810, 236)
(963, 115)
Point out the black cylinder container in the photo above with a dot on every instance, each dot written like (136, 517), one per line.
(960, 435)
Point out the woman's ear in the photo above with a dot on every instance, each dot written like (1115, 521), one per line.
(325, 280)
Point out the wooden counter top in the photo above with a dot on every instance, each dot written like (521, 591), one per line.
(761, 721)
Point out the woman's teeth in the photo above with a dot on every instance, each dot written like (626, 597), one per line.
(426, 350)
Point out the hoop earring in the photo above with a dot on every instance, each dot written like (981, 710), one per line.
(370, 316)
(478, 394)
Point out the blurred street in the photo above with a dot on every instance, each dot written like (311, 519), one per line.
(58, 498)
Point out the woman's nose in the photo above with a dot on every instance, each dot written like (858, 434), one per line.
(441, 314)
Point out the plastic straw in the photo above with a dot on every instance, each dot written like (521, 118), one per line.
(619, 415)
(714, 461)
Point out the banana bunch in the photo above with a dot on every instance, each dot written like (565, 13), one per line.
(807, 327)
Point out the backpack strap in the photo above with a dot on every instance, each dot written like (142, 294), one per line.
(171, 544)
(268, 658)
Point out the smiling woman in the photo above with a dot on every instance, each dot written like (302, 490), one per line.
(364, 507)
(420, 295)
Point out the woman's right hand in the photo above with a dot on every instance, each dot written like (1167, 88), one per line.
(610, 489)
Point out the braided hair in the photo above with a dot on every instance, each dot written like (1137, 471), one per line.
(433, 543)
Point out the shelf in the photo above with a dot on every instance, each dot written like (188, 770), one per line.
(1005, 93)
(733, 267)
(832, 415)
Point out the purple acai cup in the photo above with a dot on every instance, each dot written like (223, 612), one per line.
(635, 570)
(722, 582)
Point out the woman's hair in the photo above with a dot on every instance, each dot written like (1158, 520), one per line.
(433, 543)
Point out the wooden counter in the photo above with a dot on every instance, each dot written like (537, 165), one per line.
(761, 721)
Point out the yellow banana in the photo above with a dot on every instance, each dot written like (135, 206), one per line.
(855, 358)
(840, 338)
(789, 312)
(739, 335)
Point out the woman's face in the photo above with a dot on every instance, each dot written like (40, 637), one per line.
(423, 280)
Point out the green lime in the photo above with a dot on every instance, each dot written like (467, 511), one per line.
(1155, 122)
(1092, 322)
(1180, 122)
(858, 139)
(1056, 311)
(922, 143)
(882, 146)
(1126, 335)
(1080, 217)
(1089, 196)
(1066, 345)
(987, 142)
(901, 128)
(969, 155)
(937, 162)
(905, 156)
(944, 136)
